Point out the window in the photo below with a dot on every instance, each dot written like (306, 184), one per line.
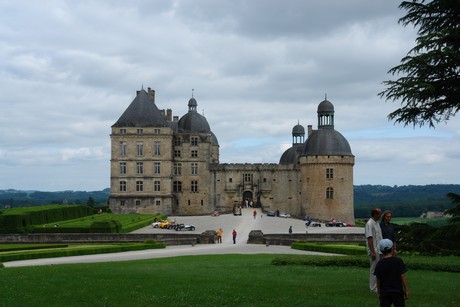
(156, 186)
(194, 186)
(177, 186)
(157, 202)
(140, 131)
(156, 148)
(330, 193)
(156, 131)
(247, 177)
(177, 169)
(139, 168)
(122, 131)
(122, 168)
(194, 168)
(140, 148)
(194, 141)
(230, 179)
(329, 173)
(194, 153)
(177, 153)
(139, 186)
(122, 186)
(123, 150)
(122, 202)
(156, 167)
(138, 202)
(177, 141)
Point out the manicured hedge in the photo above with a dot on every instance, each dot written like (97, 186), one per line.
(438, 264)
(344, 249)
(19, 220)
(91, 250)
(23, 247)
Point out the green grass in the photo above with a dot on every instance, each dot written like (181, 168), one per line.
(407, 220)
(214, 280)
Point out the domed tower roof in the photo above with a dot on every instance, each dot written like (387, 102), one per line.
(291, 155)
(326, 141)
(298, 130)
(193, 121)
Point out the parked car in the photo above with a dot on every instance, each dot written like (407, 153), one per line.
(156, 224)
(313, 224)
(284, 215)
(184, 227)
(270, 213)
(215, 213)
(336, 224)
(165, 224)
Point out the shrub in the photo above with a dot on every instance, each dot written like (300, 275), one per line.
(351, 249)
(149, 241)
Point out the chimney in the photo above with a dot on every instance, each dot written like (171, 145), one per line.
(168, 115)
(151, 94)
(162, 111)
(176, 118)
(309, 129)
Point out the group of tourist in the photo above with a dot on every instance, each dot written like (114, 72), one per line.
(219, 233)
(387, 272)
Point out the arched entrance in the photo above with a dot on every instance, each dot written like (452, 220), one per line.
(247, 199)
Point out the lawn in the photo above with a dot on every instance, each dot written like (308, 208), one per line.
(407, 220)
(214, 280)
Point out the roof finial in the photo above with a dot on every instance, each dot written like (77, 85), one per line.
(192, 92)
(203, 112)
(325, 96)
(298, 122)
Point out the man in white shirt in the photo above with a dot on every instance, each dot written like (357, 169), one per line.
(373, 237)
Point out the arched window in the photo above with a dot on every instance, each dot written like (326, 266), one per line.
(329, 193)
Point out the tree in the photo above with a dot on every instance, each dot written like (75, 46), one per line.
(90, 202)
(429, 90)
(455, 211)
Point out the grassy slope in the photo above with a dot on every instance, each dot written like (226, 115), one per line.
(216, 280)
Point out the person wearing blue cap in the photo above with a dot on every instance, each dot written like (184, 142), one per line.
(391, 278)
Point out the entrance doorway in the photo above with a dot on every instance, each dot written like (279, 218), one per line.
(247, 199)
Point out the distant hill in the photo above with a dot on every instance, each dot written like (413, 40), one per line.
(403, 201)
(17, 198)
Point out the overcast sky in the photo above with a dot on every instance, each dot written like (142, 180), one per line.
(70, 68)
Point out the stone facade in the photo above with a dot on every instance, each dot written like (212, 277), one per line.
(160, 163)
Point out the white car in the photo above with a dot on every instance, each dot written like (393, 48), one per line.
(156, 224)
(284, 214)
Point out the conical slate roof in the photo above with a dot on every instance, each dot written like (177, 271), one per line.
(142, 112)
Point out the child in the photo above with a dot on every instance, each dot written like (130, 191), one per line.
(391, 278)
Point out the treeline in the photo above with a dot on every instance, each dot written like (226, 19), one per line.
(16, 198)
(403, 201)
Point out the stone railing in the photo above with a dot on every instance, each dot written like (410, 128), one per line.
(258, 237)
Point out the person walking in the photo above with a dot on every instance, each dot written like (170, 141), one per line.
(388, 230)
(219, 235)
(234, 236)
(290, 230)
(373, 237)
(391, 278)
(254, 213)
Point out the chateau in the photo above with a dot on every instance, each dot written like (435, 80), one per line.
(163, 163)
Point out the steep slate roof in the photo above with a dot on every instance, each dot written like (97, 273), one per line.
(291, 155)
(326, 142)
(142, 112)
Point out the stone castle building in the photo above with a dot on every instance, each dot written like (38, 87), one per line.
(163, 163)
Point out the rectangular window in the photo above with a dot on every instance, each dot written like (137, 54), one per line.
(194, 141)
(177, 153)
(139, 186)
(330, 193)
(194, 153)
(247, 177)
(156, 148)
(122, 202)
(156, 131)
(140, 131)
(139, 168)
(194, 168)
(122, 131)
(122, 186)
(177, 186)
(140, 148)
(156, 167)
(123, 149)
(122, 168)
(177, 141)
(157, 202)
(138, 202)
(177, 169)
(156, 186)
(329, 173)
(194, 186)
